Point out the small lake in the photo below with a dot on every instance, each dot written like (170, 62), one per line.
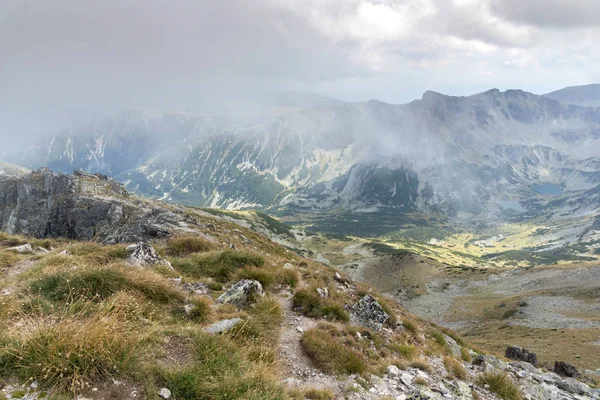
(547, 189)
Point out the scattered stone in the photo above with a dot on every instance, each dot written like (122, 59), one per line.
(196, 287)
(65, 252)
(368, 312)
(567, 370)
(40, 249)
(24, 248)
(521, 354)
(393, 371)
(144, 255)
(241, 293)
(323, 292)
(299, 329)
(164, 393)
(222, 326)
(288, 266)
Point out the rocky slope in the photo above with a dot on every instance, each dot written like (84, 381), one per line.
(217, 310)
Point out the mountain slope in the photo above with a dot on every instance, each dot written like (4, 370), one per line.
(585, 96)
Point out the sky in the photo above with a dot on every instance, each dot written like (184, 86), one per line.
(64, 58)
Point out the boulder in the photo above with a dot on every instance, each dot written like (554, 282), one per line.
(144, 255)
(323, 292)
(368, 312)
(521, 354)
(222, 326)
(24, 248)
(573, 386)
(566, 370)
(164, 393)
(453, 346)
(241, 293)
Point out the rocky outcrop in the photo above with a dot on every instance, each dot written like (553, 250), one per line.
(144, 255)
(80, 206)
(368, 312)
(241, 293)
(521, 354)
(567, 370)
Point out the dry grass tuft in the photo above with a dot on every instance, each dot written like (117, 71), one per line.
(331, 355)
(185, 245)
(501, 384)
(455, 368)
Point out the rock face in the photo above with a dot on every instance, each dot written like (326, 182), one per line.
(80, 206)
(241, 293)
(521, 354)
(144, 255)
(567, 370)
(368, 312)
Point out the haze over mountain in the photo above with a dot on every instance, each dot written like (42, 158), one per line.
(585, 96)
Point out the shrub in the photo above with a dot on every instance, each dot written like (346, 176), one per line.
(500, 384)
(69, 354)
(329, 354)
(98, 283)
(309, 303)
(455, 368)
(184, 245)
(219, 265)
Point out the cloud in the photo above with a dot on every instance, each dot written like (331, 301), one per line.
(66, 58)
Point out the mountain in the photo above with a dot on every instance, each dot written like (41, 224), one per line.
(585, 96)
(490, 158)
(10, 169)
(207, 306)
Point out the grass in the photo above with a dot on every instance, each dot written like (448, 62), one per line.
(269, 276)
(185, 245)
(99, 283)
(319, 394)
(455, 368)
(330, 355)
(71, 353)
(222, 370)
(422, 365)
(500, 384)
(407, 351)
(8, 259)
(219, 265)
(308, 302)
(201, 310)
(262, 325)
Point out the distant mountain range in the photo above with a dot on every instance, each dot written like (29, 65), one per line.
(585, 96)
(492, 156)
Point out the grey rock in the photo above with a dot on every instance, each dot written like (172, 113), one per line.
(222, 326)
(323, 292)
(144, 255)
(65, 252)
(196, 287)
(368, 312)
(81, 206)
(164, 393)
(24, 248)
(393, 371)
(573, 386)
(567, 370)
(521, 354)
(453, 345)
(241, 293)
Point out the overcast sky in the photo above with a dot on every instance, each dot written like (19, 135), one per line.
(82, 55)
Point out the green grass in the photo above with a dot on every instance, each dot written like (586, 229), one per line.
(500, 384)
(221, 370)
(263, 323)
(201, 310)
(71, 353)
(185, 245)
(99, 283)
(219, 265)
(308, 302)
(407, 351)
(330, 355)
(8, 259)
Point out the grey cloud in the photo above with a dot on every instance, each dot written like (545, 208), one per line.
(559, 14)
